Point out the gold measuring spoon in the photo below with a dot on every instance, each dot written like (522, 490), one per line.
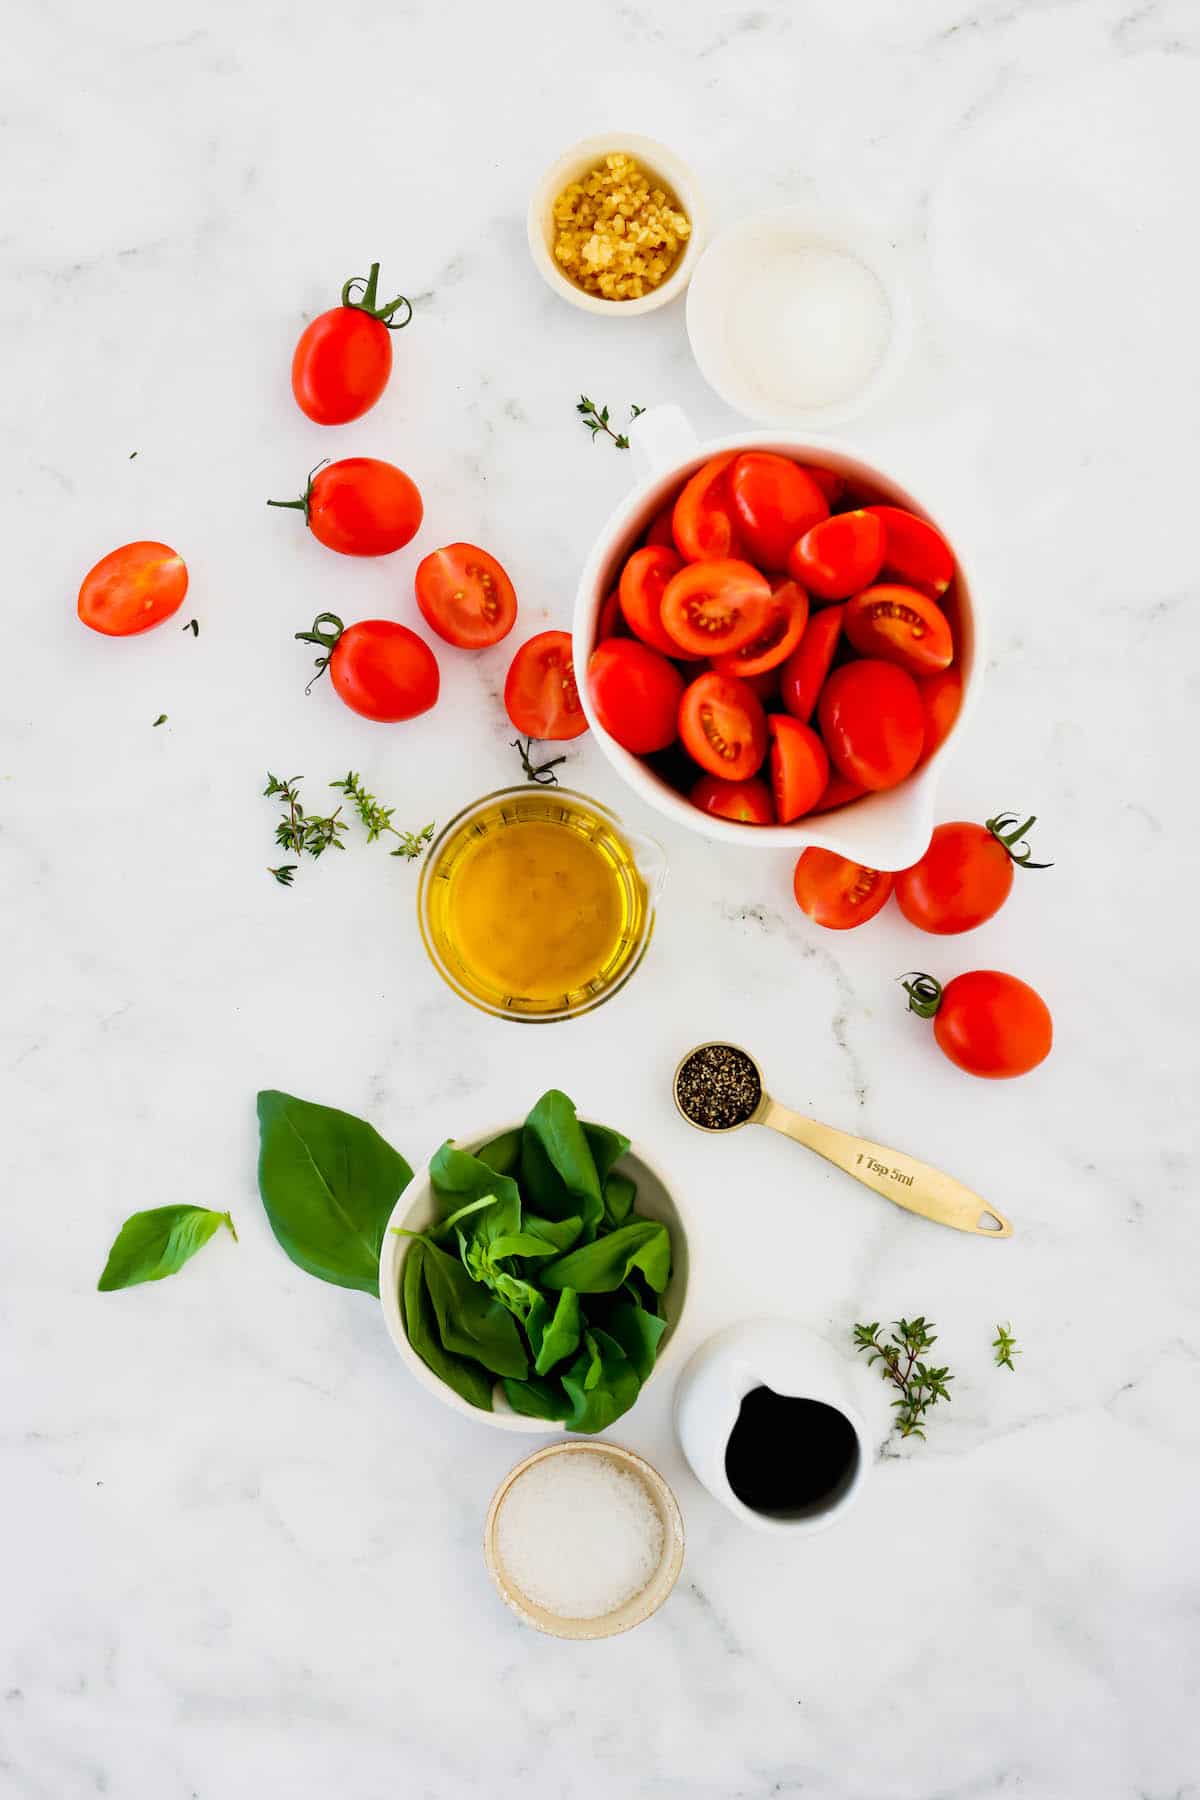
(719, 1087)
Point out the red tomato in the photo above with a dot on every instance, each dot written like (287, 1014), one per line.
(831, 485)
(837, 893)
(360, 506)
(987, 1022)
(766, 685)
(380, 669)
(838, 556)
(643, 579)
(660, 531)
(777, 639)
(723, 726)
(838, 792)
(746, 802)
(466, 597)
(915, 553)
(965, 875)
(776, 501)
(702, 519)
(540, 695)
(902, 626)
(804, 672)
(610, 620)
(343, 360)
(941, 697)
(636, 693)
(710, 608)
(871, 720)
(133, 588)
(799, 767)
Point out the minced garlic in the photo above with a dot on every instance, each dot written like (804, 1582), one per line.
(618, 233)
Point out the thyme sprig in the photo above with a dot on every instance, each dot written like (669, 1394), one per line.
(305, 834)
(920, 1386)
(542, 773)
(1005, 1346)
(378, 819)
(596, 418)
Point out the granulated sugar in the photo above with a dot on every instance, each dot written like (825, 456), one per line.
(579, 1535)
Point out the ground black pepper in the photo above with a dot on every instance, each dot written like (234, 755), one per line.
(718, 1087)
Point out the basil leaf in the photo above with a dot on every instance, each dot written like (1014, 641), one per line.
(558, 1171)
(553, 1335)
(154, 1244)
(470, 1321)
(503, 1153)
(602, 1384)
(638, 1333)
(537, 1399)
(600, 1267)
(559, 1233)
(620, 1192)
(607, 1147)
(328, 1182)
(461, 1373)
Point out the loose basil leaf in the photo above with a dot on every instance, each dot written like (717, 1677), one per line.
(552, 1336)
(328, 1182)
(602, 1384)
(638, 1333)
(607, 1147)
(462, 1373)
(537, 1399)
(151, 1245)
(558, 1171)
(470, 1321)
(599, 1267)
(620, 1192)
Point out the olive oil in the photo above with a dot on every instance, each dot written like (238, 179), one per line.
(533, 904)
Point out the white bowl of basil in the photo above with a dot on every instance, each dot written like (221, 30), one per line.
(532, 1276)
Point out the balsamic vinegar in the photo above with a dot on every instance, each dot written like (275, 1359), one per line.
(786, 1455)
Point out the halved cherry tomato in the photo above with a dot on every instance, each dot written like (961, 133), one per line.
(643, 579)
(610, 620)
(804, 672)
(466, 597)
(900, 625)
(540, 695)
(746, 802)
(915, 552)
(710, 608)
(941, 697)
(987, 1022)
(660, 531)
(636, 694)
(837, 893)
(831, 485)
(133, 588)
(723, 726)
(871, 720)
(777, 639)
(838, 792)
(965, 875)
(838, 556)
(380, 669)
(799, 767)
(776, 501)
(702, 520)
(360, 506)
(342, 362)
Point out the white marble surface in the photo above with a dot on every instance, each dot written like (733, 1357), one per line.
(241, 1549)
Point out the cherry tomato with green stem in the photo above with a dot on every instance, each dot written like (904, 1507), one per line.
(837, 893)
(133, 588)
(359, 506)
(378, 667)
(988, 1023)
(344, 358)
(965, 875)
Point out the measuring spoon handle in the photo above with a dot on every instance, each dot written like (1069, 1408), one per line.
(914, 1185)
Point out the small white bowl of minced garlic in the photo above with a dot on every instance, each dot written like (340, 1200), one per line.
(615, 225)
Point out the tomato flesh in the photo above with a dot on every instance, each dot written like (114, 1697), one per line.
(915, 552)
(872, 723)
(838, 893)
(540, 694)
(636, 694)
(384, 671)
(804, 672)
(341, 365)
(133, 588)
(723, 726)
(746, 802)
(363, 507)
(777, 639)
(643, 580)
(838, 556)
(702, 521)
(465, 596)
(901, 625)
(776, 501)
(993, 1025)
(799, 767)
(711, 608)
(963, 879)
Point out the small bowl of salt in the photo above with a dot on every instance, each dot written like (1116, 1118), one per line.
(798, 318)
(583, 1540)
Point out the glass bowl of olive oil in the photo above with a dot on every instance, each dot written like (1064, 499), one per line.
(538, 904)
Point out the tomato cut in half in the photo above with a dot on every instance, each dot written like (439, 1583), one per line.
(660, 531)
(745, 802)
(838, 792)
(723, 726)
(465, 596)
(871, 720)
(133, 588)
(915, 552)
(702, 520)
(777, 639)
(384, 671)
(900, 625)
(799, 767)
(610, 620)
(941, 698)
(838, 893)
(636, 694)
(711, 608)
(803, 674)
(838, 556)
(540, 694)
(776, 501)
(643, 579)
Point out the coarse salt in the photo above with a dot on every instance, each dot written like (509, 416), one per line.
(579, 1534)
(811, 326)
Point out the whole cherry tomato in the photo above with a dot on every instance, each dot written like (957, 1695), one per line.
(380, 668)
(466, 597)
(776, 501)
(838, 556)
(133, 588)
(871, 720)
(723, 726)
(702, 520)
(643, 579)
(747, 802)
(941, 698)
(777, 639)
(987, 1022)
(901, 625)
(342, 362)
(711, 608)
(914, 552)
(360, 506)
(799, 767)
(837, 893)
(540, 692)
(803, 674)
(832, 486)
(965, 875)
(636, 694)
(610, 620)
(660, 531)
